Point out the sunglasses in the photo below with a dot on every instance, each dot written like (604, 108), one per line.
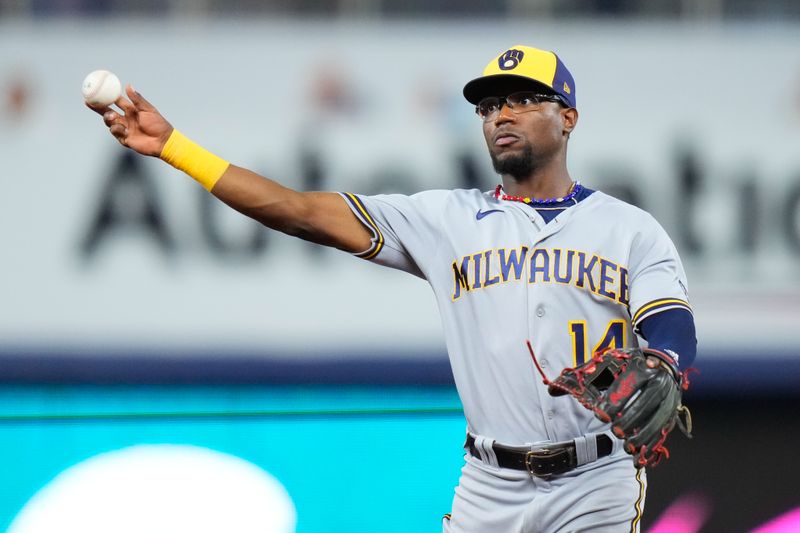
(520, 102)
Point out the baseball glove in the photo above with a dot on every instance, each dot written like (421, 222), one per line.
(642, 402)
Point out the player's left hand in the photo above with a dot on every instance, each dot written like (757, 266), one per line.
(637, 390)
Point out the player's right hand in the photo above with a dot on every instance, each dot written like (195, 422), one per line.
(140, 126)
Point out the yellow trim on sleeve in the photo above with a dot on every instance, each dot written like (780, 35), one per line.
(646, 307)
(377, 232)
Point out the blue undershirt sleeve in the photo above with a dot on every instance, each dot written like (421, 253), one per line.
(673, 330)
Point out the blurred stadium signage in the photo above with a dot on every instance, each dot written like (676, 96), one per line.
(106, 249)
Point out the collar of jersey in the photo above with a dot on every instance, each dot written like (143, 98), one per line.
(582, 195)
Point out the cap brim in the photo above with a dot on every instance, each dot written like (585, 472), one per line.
(501, 85)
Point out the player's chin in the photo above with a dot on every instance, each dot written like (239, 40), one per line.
(503, 153)
(513, 162)
(506, 154)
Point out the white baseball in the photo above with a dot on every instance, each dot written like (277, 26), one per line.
(101, 88)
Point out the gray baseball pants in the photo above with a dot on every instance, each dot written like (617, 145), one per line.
(601, 497)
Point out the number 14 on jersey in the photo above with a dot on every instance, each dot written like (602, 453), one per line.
(614, 337)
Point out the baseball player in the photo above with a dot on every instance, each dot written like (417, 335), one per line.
(540, 258)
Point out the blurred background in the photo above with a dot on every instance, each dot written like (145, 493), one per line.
(168, 365)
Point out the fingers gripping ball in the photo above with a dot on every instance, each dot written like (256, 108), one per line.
(642, 402)
(101, 88)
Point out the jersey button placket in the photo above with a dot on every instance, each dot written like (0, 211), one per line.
(537, 315)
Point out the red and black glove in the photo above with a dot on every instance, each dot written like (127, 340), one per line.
(641, 400)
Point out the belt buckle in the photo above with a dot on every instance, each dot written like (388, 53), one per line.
(543, 453)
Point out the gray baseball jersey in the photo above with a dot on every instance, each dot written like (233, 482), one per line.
(501, 276)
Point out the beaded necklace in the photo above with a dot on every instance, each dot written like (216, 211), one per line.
(574, 190)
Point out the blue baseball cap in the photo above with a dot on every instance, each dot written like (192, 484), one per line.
(523, 68)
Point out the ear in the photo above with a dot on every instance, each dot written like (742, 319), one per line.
(569, 119)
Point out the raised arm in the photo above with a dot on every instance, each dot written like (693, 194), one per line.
(319, 217)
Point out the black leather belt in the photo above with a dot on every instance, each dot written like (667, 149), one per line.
(543, 462)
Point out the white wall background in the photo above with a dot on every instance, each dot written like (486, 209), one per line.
(731, 93)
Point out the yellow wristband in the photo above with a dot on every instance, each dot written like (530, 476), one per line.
(196, 161)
